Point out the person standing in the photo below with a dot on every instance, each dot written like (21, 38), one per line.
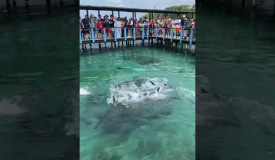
(158, 25)
(145, 24)
(93, 23)
(112, 25)
(130, 26)
(193, 23)
(100, 28)
(85, 22)
(151, 26)
(118, 25)
(185, 28)
(178, 27)
(106, 25)
(125, 25)
(86, 25)
(168, 28)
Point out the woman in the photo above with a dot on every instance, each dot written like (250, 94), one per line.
(107, 26)
(99, 25)
(194, 27)
(178, 23)
(168, 28)
(118, 25)
(151, 26)
(130, 26)
(140, 26)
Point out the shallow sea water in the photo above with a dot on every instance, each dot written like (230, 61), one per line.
(153, 130)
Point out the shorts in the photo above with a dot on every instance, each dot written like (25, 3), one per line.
(108, 30)
(177, 30)
(100, 30)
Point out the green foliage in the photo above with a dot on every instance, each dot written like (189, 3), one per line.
(174, 8)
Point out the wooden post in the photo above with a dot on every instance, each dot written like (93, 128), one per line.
(61, 3)
(87, 12)
(98, 12)
(99, 46)
(112, 12)
(118, 13)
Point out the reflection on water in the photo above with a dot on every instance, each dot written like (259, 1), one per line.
(235, 88)
(38, 88)
(137, 104)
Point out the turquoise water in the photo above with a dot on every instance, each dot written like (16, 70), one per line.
(153, 129)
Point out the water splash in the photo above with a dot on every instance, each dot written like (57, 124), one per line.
(140, 90)
(84, 91)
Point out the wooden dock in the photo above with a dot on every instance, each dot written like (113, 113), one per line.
(147, 36)
(99, 44)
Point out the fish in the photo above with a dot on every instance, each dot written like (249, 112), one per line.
(141, 89)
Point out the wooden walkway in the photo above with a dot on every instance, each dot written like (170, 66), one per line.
(187, 41)
(100, 44)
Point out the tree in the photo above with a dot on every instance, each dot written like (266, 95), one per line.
(186, 8)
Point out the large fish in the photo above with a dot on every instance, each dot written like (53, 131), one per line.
(141, 90)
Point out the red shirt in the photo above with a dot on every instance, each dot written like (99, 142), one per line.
(99, 25)
(152, 23)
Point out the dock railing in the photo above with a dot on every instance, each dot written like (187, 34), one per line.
(114, 34)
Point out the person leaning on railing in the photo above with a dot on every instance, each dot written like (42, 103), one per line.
(99, 26)
(140, 26)
(145, 24)
(168, 28)
(93, 22)
(106, 25)
(151, 26)
(112, 25)
(86, 25)
(193, 24)
(185, 27)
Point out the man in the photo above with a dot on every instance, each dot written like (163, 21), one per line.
(112, 24)
(106, 25)
(185, 28)
(145, 22)
(183, 20)
(85, 22)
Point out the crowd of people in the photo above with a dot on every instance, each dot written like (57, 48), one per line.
(98, 24)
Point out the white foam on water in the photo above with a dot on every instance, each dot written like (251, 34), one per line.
(140, 90)
(186, 93)
(9, 108)
(84, 91)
